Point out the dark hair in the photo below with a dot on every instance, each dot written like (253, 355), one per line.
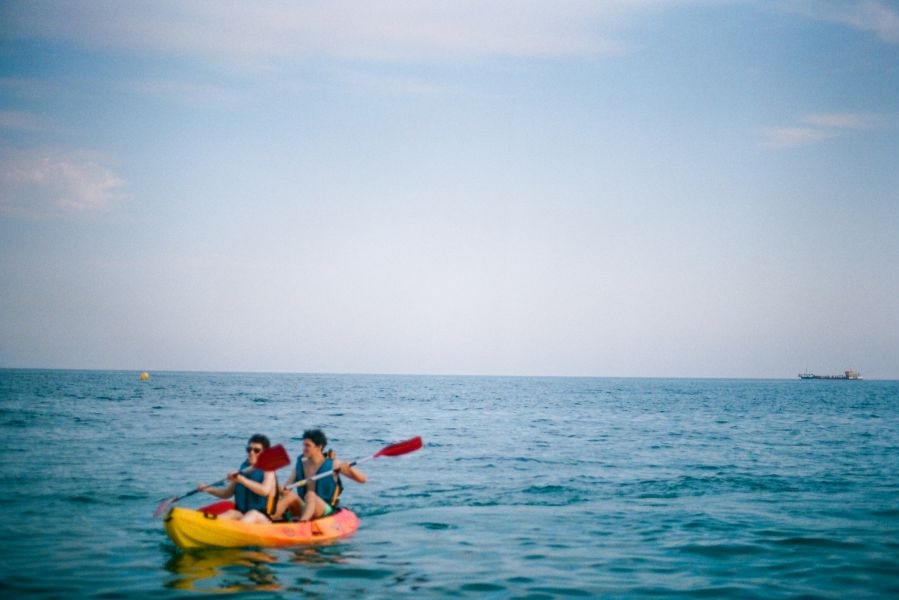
(258, 438)
(316, 436)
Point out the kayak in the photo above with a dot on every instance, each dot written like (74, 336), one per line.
(201, 528)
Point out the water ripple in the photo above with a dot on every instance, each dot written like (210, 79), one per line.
(526, 487)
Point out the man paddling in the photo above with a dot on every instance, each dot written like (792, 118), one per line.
(316, 498)
(254, 491)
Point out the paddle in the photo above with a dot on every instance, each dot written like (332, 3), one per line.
(397, 449)
(270, 459)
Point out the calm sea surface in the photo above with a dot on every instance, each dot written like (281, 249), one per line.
(526, 487)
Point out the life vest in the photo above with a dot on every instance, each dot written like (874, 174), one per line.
(246, 500)
(326, 488)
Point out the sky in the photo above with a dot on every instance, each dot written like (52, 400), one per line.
(628, 188)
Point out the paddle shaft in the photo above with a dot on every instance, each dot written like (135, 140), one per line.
(270, 459)
(325, 474)
(276, 457)
(396, 449)
(246, 471)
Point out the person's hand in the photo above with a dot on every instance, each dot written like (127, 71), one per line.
(201, 486)
(233, 475)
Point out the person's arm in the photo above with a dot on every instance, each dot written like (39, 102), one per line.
(344, 468)
(262, 489)
(223, 493)
(291, 479)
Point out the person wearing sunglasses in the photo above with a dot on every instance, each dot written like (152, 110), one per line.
(316, 498)
(254, 491)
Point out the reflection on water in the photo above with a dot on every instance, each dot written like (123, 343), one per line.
(223, 570)
(317, 555)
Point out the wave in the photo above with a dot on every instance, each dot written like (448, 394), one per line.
(690, 485)
(85, 499)
(438, 526)
(817, 542)
(722, 550)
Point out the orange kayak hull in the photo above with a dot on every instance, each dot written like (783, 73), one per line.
(190, 528)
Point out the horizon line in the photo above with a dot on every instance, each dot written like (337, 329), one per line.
(395, 374)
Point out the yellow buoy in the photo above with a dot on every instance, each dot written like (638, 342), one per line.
(144, 376)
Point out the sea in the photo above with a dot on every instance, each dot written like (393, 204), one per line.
(525, 487)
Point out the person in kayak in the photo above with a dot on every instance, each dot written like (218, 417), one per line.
(255, 492)
(316, 498)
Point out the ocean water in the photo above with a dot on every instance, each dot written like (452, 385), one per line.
(525, 488)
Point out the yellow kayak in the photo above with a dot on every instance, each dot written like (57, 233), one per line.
(202, 528)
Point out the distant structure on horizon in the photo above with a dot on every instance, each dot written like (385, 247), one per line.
(849, 374)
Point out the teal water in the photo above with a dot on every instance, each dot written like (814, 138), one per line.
(526, 487)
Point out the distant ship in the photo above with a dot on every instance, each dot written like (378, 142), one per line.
(850, 374)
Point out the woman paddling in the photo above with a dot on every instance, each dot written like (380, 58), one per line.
(254, 491)
(316, 498)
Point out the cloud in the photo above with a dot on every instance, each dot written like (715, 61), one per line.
(815, 127)
(393, 84)
(187, 93)
(26, 89)
(55, 184)
(387, 30)
(790, 137)
(259, 34)
(838, 120)
(872, 16)
(23, 121)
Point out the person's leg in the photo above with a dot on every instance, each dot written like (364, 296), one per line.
(315, 507)
(289, 501)
(255, 517)
(231, 515)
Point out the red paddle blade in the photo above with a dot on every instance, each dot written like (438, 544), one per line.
(163, 506)
(272, 459)
(399, 448)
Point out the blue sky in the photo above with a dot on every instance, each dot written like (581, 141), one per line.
(628, 188)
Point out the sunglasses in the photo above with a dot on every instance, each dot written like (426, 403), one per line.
(254, 449)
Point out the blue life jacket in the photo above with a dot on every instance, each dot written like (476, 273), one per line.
(246, 500)
(326, 488)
